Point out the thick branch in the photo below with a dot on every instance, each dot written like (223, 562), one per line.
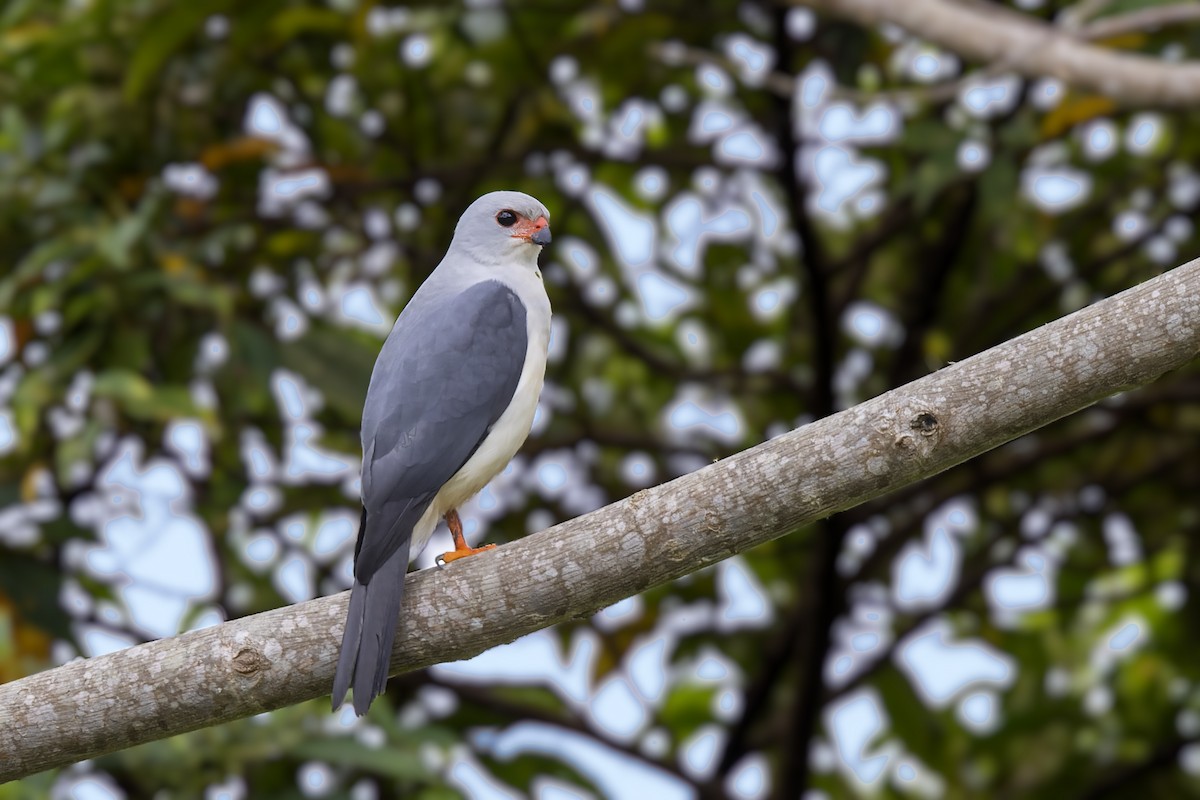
(998, 36)
(280, 657)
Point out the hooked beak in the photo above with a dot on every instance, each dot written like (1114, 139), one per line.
(537, 231)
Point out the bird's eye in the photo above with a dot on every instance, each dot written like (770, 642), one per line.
(507, 218)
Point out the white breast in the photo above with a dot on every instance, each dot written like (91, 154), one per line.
(507, 434)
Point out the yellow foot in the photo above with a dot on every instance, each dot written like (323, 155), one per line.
(461, 548)
(455, 555)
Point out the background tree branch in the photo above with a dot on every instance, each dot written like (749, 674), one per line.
(284, 656)
(1144, 19)
(1000, 37)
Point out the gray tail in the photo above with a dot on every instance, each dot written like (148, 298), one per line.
(370, 630)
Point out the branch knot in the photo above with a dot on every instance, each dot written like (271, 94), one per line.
(250, 661)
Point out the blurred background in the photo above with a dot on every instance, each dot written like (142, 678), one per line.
(211, 212)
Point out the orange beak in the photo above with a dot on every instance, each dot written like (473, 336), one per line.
(536, 231)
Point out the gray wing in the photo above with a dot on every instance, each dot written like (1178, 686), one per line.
(445, 375)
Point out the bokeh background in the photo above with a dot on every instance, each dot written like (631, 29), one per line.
(211, 212)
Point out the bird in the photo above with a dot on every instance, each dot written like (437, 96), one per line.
(451, 399)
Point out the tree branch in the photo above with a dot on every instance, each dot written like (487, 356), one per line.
(285, 656)
(995, 35)
(1143, 19)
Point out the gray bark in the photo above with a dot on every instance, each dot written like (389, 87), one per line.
(280, 657)
(1010, 40)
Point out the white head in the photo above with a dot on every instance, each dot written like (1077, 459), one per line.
(502, 227)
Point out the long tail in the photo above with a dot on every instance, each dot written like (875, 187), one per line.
(370, 631)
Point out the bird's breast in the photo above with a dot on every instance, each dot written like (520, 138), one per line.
(509, 431)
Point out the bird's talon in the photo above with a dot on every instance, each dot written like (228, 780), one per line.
(455, 555)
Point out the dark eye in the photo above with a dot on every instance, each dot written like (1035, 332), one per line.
(507, 218)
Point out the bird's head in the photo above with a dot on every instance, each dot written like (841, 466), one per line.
(502, 227)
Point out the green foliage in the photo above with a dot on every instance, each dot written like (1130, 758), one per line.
(525, 771)
(135, 300)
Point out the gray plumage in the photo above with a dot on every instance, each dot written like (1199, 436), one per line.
(450, 401)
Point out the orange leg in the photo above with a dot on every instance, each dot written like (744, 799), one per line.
(461, 548)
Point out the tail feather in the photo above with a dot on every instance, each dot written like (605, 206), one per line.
(370, 631)
(350, 639)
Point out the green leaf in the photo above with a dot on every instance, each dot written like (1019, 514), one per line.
(34, 787)
(34, 588)
(191, 288)
(31, 266)
(688, 706)
(537, 698)
(439, 793)
(161, 38)
(141, 399)
(398, 764)
(245, 379)
(17, 11)
(922, 730)
(76, 450)
(293, 22)
(33, 395)
(521, 771)
(116, 243)
(336, 361)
